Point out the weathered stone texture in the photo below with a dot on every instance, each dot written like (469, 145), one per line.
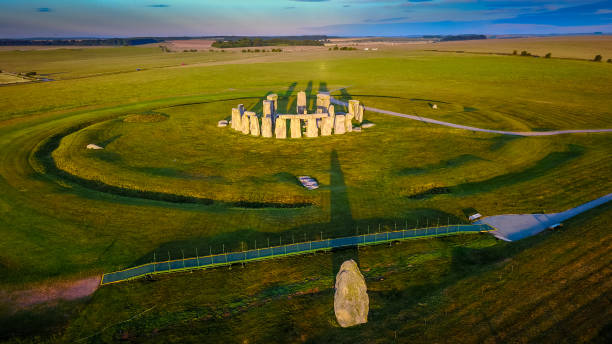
(323, 102)
(339, 125)
(274, 98)
(311, 128)
(351, 301)
(301, 102)
(296, 128)
(266, 126)
(280, 128)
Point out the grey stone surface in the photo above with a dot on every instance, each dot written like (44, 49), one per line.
(311, 128)
(222, 123)
(339, 125)
(367, 125)
(268, 108)
(296, 128)
(280, 128)
(301, 102)
(356, 109)
(351, 300)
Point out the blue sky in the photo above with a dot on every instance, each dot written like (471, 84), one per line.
(121, 18)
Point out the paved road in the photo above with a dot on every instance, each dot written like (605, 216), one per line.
(465, 127)
(516, 227)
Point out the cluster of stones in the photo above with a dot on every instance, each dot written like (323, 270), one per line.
(272, 124)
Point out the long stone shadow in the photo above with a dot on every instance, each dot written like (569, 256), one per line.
(323, 86)
(309, 98)
(341, 218)
(286, 98)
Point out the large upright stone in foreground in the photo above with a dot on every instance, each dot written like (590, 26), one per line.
(348, 122)
(244, 122)
(296, 128)
(280, 128)
(351, 301)
(339, 125)
(301, 102)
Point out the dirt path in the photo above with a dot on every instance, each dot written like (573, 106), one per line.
(51, 293)
(465, 127)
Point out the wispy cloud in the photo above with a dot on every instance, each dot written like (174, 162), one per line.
(159, 5)
(310, 0)
(385, 20)
(289, 8)
(44, 9)
(603, 11)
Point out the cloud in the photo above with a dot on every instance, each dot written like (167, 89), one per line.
(44, 9)
(159, 5)
(603, 11)
(310, 0)
(289, 7)
(419, 0)
(385, 20)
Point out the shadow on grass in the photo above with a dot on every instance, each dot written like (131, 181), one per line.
(453, 162)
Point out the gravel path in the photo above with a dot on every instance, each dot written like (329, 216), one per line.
(516, 227)
(465, 127)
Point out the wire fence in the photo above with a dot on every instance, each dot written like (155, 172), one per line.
(243, 256)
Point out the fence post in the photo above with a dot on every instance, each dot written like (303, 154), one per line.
(168, 261)
(183, 253)
(154, 264)
(197, 257)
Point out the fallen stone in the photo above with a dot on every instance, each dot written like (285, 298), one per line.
(367, 125)
(357, 129)
(434, 106)
(93, 146)
(351, 301)
(222, 123)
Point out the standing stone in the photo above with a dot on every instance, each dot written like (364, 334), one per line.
(311, 128)
(301, 102)
(268, 108)
(266, 126)
(327, 123)
(274, 98)
(323, 101)
(280, 128)
(348, 122)
(244, 119)
(359, 115)
(351, 301)
(296, 128)
(254, 123)
(339, 125)
(236, 119)
(356, 110)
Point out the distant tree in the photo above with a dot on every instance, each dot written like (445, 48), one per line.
(548, 55)
(222, 50)
(329, 49)
(514, 52)
(30, 73)
(336, 47)
(597, 58)
(244, 50)
(525, 53)
(609, 61)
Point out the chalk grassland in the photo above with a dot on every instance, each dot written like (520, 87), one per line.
(57, 227)
(466, 289)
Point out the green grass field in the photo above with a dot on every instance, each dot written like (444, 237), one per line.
(169, 181)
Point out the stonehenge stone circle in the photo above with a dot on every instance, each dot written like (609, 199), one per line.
(273, 124)
(351, 300)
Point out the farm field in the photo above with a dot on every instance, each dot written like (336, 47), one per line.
(170, 182)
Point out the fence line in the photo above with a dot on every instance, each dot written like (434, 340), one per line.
(223, 259)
